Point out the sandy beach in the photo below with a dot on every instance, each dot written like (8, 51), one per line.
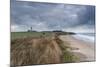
(84, 50)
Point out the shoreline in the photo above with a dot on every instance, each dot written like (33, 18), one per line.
(84, 50)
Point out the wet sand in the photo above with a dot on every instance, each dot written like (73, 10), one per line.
(84, 50)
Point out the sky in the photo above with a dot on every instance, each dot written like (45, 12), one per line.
(52, 16)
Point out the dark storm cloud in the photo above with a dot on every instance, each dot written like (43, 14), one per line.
(47, 16)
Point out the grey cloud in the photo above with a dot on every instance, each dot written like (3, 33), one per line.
(51, 16)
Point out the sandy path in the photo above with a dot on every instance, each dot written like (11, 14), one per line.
(85, 50)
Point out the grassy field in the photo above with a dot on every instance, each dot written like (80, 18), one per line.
(18, 35)
(28, 48)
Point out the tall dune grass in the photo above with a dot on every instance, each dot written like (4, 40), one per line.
(41, 50)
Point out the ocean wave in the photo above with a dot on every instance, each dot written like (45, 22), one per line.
(85, 37)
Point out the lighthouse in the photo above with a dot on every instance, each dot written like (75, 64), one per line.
(31, 29)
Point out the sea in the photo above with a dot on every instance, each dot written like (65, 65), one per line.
(89, 37)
